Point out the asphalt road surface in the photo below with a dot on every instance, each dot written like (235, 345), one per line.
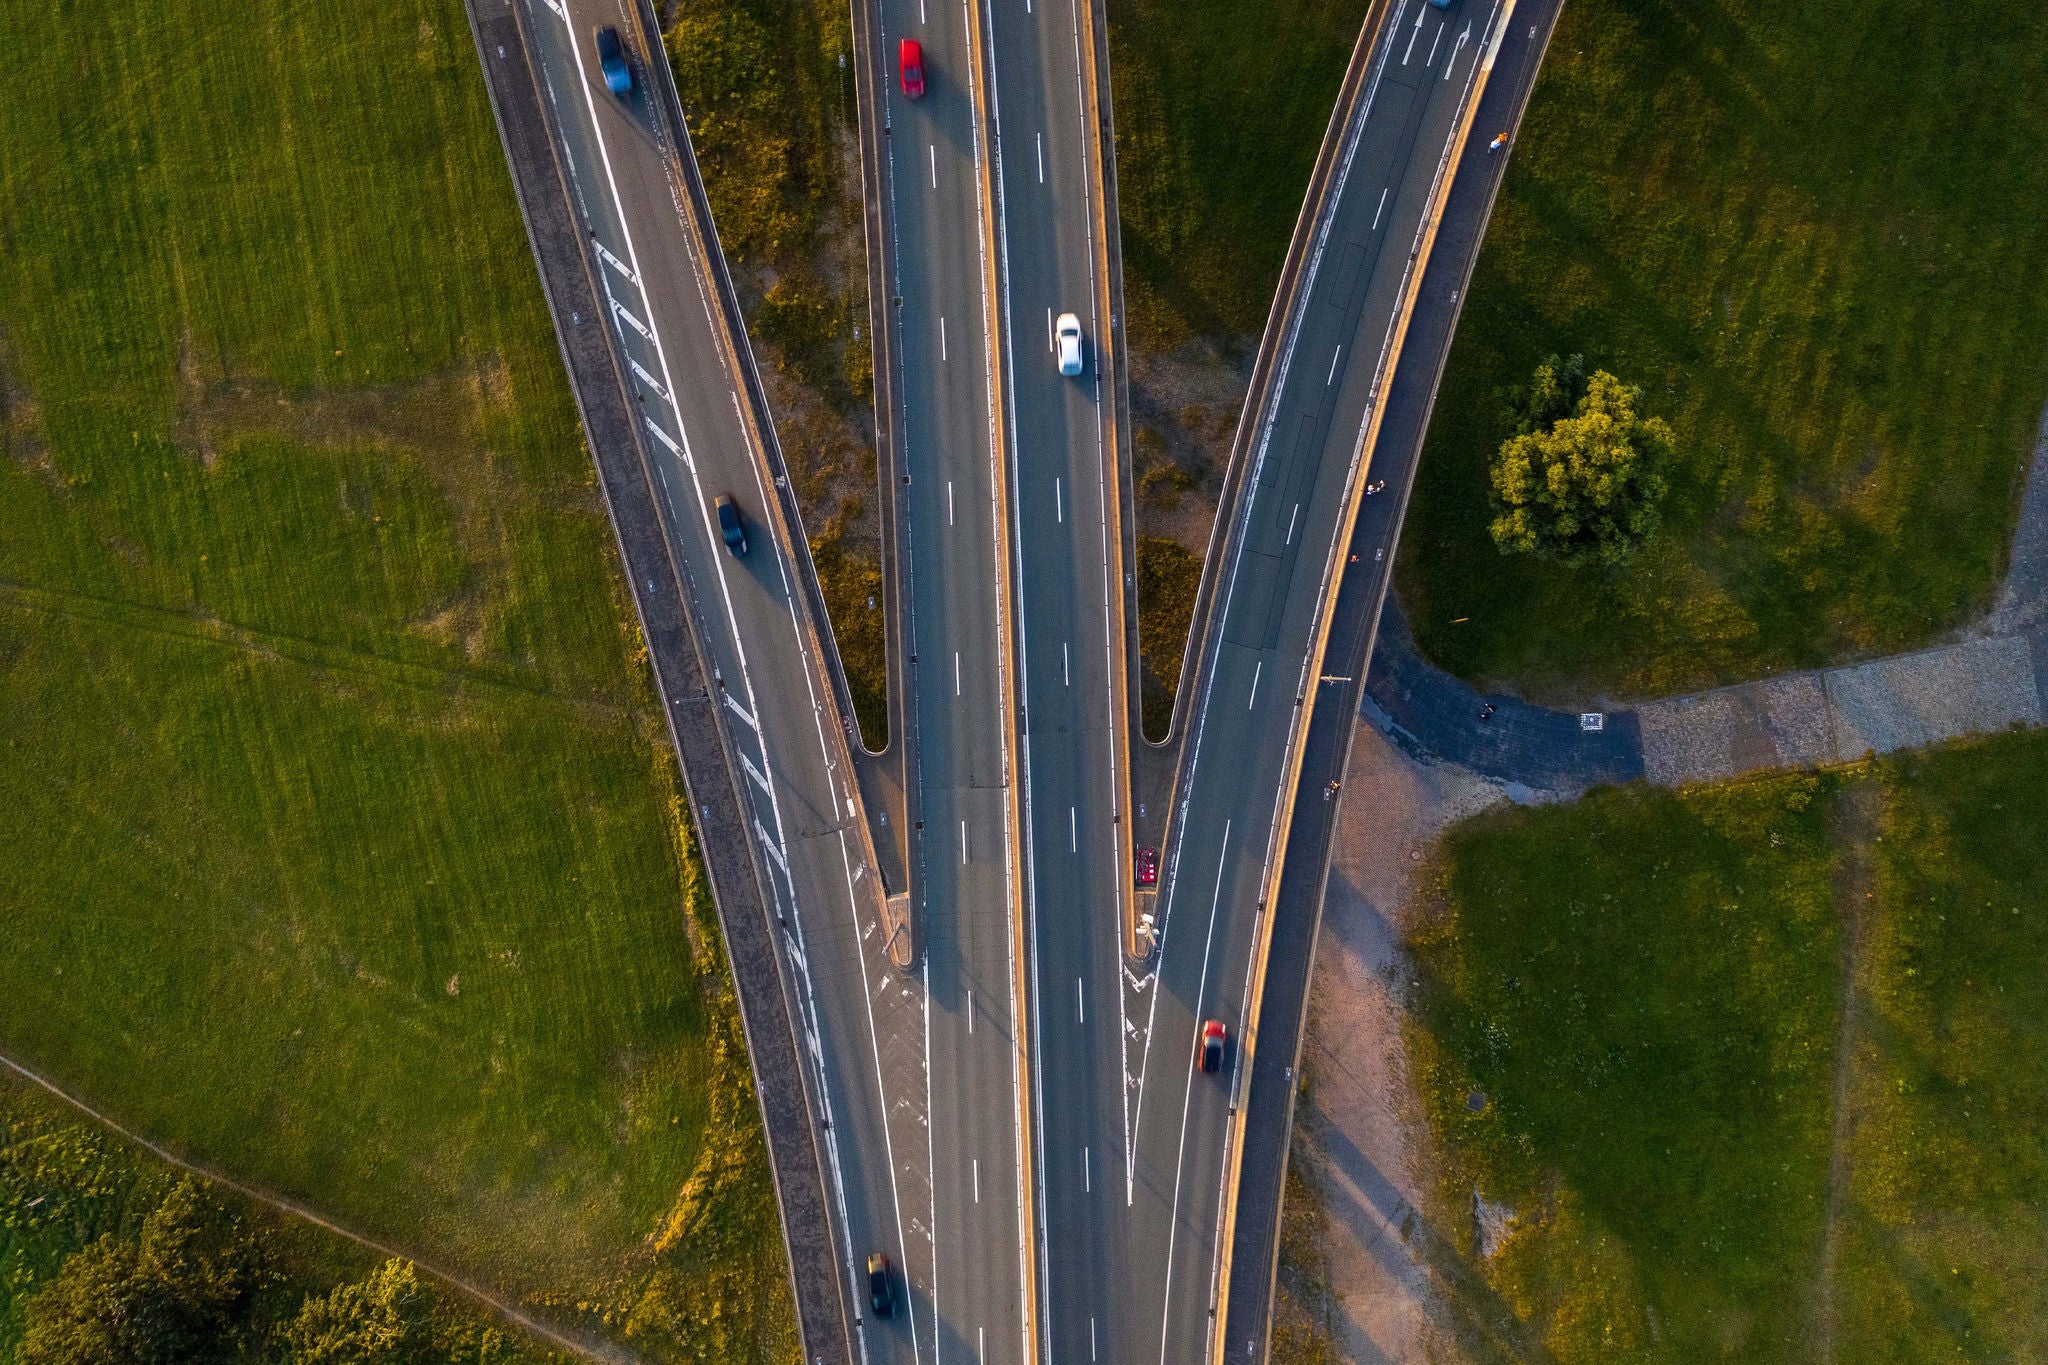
(1069, 627)
(863, 1025)
(1409, 396)
(970, 1279)
(1005, 491)
(1255, 678)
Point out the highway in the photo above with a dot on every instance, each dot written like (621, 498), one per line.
(1069, 645)
(972, 1280)
(1408, 396)
(1257, 672)
(1015, 1119)
(863, 1027)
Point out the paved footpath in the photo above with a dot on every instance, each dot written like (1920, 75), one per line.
(1992, 677)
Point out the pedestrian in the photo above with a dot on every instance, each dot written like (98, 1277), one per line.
(1500, 140)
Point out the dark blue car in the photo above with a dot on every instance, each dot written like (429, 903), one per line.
(611, 59)
(730, 527)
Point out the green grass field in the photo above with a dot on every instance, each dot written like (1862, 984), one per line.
(1813, 234)
(1219, 112)
(345, 850)
(1650, 990)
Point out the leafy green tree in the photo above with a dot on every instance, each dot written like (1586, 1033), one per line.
(180, 1292)
(382, 1320)
(1549, 397)
(1583, 488)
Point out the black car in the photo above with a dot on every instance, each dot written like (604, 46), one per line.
(730, 526)
(880, 1292)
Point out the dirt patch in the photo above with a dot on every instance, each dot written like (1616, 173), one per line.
(1185, 406)
(1394, 1279)
(21, 422)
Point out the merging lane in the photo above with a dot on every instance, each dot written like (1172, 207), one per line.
(1254, 680)
(863, 1024)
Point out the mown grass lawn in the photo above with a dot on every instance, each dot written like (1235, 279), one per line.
(1813, 234)
(1219, 112)
(1650, 990)
(344, 850)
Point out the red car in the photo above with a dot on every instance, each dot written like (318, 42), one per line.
(1210, 1053)
(910, 58)
(1148, 867)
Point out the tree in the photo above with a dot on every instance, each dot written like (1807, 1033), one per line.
(177, 1293)
(383, 1320)
(1586, 487)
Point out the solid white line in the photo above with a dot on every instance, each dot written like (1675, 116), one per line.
(1333, 366)
(942, 338)
(963, 841)
(1059, 498)
(1431, 59)
(1073, 831)
(1257, 669)
(1049, 344)
(1188, 1093)
(668, 441)
(949, 502)
(637, 325)
(614, 262)
(977, 1180)
(956, 672)
(1091, 1336)
(1041, 158)
(935, 167)
(1088, 1187)
(1292, 517)
(732, 703)
(1066, 676)
(1381, 209)
(970, 1011)
(649, 380)
(1080, 1003)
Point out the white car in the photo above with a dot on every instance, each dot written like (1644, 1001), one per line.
(1067, 343)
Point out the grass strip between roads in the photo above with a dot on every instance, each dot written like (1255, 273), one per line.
(1813, 234)
(346, 853)
(1762, 1066)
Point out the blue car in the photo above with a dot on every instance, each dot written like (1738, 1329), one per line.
(730, 528)
(611, 59)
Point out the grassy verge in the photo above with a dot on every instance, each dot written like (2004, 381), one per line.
(345, 849)
(768, 86)
(1219, 112)
(68, 1187)
(1763, 1064)
(1804, 231)
(1943, 1227)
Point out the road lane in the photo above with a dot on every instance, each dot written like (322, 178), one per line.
(1409, 395)
(1307, 461)
(863, 1027)
(1069, 642)
(974, 1297)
